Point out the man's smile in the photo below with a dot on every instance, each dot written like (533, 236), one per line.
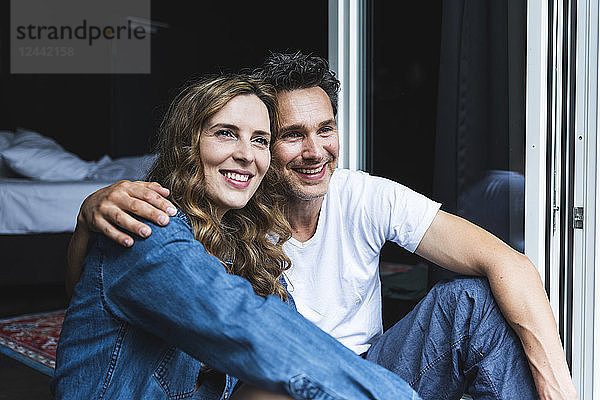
(310, 171)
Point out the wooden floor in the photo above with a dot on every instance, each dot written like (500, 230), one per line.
(18, 381)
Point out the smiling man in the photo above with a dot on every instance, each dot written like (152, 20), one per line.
(456, 339)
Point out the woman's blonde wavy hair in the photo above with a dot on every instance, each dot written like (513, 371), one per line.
(248, 240)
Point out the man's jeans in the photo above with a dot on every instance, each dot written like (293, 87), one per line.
(455, 341)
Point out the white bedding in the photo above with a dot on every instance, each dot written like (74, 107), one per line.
(28, 206)
(42, 185)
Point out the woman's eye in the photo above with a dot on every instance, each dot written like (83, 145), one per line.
(262, 141)
(224, 132)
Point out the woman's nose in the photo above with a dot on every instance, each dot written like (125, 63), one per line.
(243, 151)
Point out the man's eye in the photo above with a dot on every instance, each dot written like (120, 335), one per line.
(291, 134)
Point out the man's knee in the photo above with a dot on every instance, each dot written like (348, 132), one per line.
(464, 291)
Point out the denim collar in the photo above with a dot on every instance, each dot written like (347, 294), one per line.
(184, 217)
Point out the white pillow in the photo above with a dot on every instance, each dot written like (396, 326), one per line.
(39, 157)
(6, 138)
(131, 168)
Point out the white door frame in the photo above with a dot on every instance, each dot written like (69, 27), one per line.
(347, 57)
(544, 133)
(586, 271)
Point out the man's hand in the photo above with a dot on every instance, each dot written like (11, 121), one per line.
(107, 209)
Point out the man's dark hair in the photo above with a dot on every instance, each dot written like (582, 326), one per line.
(299, 71)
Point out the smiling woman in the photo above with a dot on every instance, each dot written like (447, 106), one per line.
(167, 292)
(214, 151)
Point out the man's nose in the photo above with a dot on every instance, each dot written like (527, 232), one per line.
(311, 148)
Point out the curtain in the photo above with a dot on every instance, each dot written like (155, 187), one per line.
(480, 117)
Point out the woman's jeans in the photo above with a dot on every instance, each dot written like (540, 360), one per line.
(456, 341)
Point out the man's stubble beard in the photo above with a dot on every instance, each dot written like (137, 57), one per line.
(294, 192)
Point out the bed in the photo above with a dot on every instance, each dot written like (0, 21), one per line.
(41, 189)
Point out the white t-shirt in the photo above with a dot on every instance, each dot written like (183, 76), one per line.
(334, 277)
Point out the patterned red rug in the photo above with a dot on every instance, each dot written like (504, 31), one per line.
(32, 339)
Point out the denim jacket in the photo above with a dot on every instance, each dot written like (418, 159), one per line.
(164, 320)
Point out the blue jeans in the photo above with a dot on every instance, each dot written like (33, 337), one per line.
(147, 322)
(455, 341)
